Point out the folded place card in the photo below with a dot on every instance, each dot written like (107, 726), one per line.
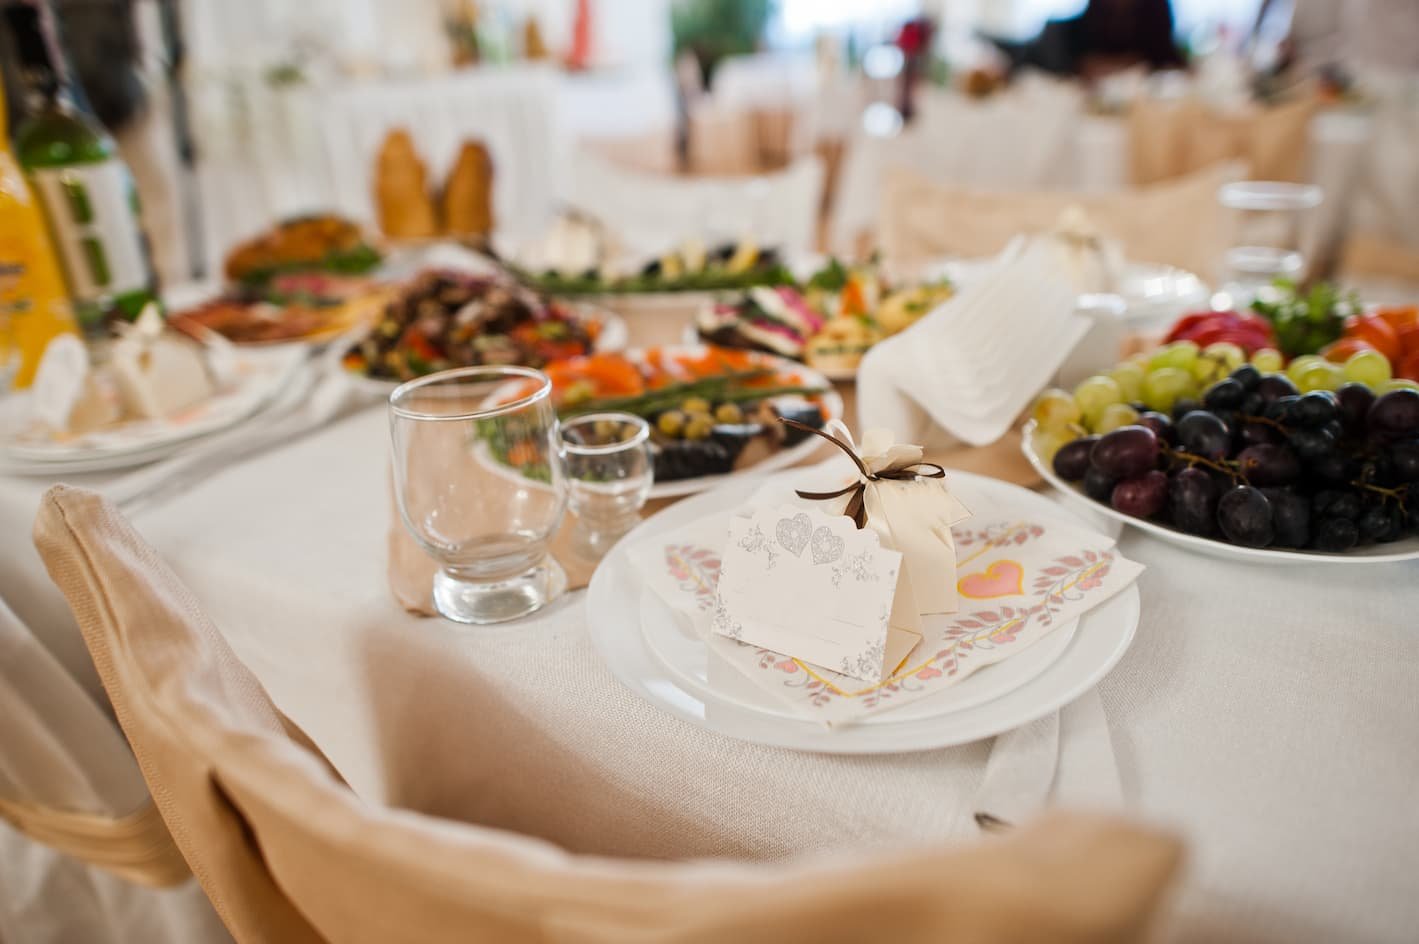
(905, 500)
(814, 587)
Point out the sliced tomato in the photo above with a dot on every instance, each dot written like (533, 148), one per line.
(1375, 330)
(560, 350)
(1400, 317)
(1408, 368)
(417, 343)
(1408, 338)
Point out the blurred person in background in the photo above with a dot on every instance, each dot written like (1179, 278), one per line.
(1108, 36)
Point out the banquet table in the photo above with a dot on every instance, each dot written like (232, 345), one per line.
(1267, 713)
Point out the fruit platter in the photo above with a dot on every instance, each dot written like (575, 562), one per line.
(1291, 438)
(442, 318)
(830, 322)
(713, 412)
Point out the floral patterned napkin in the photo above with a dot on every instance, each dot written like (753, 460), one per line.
(1017, 581)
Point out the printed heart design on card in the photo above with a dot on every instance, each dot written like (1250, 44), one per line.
(793, 533)
(827, 546)
(1004, 578)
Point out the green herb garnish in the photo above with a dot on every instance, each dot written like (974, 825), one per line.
(831, 278)
(1305, 323)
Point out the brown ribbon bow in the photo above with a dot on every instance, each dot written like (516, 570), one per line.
(857, 505)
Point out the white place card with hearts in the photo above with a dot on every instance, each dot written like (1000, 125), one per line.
(813, 587)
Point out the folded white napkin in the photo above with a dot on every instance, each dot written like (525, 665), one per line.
(973, 364)
(1064, 759)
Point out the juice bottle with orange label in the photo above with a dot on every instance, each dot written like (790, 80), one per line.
(34, 304)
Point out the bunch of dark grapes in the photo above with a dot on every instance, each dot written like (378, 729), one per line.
(1259, 464)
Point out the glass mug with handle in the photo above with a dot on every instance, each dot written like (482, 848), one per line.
(479, 486)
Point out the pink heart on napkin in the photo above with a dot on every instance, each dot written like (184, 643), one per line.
(1004, 578)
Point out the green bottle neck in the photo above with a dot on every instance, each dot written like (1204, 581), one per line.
(59, 135)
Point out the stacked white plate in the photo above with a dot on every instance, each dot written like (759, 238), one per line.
(259, 375)
(659, 657)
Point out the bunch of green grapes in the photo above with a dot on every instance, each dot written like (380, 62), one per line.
(1178, 374)
(1311, 372)
(1153, 381)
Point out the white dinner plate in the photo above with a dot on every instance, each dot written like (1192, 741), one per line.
(673, 642)
(258, 376)
(647, 650)
(1406, 549)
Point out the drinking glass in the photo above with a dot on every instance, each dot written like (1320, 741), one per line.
(1268, 222)
(479, 487)
(608, 466)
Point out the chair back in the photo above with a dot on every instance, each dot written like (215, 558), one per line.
(921, 221)
(67, 778)
(176, 689)
(1022, 139)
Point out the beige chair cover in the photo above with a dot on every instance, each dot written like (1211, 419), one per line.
(1168, 139)
(289, 854)
(1370, 255)
(722, 142)
(1177, 223)
(652, 152)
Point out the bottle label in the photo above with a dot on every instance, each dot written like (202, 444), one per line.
(14, 266)
(94, 215)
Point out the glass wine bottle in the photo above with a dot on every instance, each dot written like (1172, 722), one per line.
(34, 304)
(83, 184)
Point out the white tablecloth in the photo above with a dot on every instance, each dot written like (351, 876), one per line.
(1269, 713)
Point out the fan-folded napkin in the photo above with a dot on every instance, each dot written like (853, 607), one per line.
(971, 366)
